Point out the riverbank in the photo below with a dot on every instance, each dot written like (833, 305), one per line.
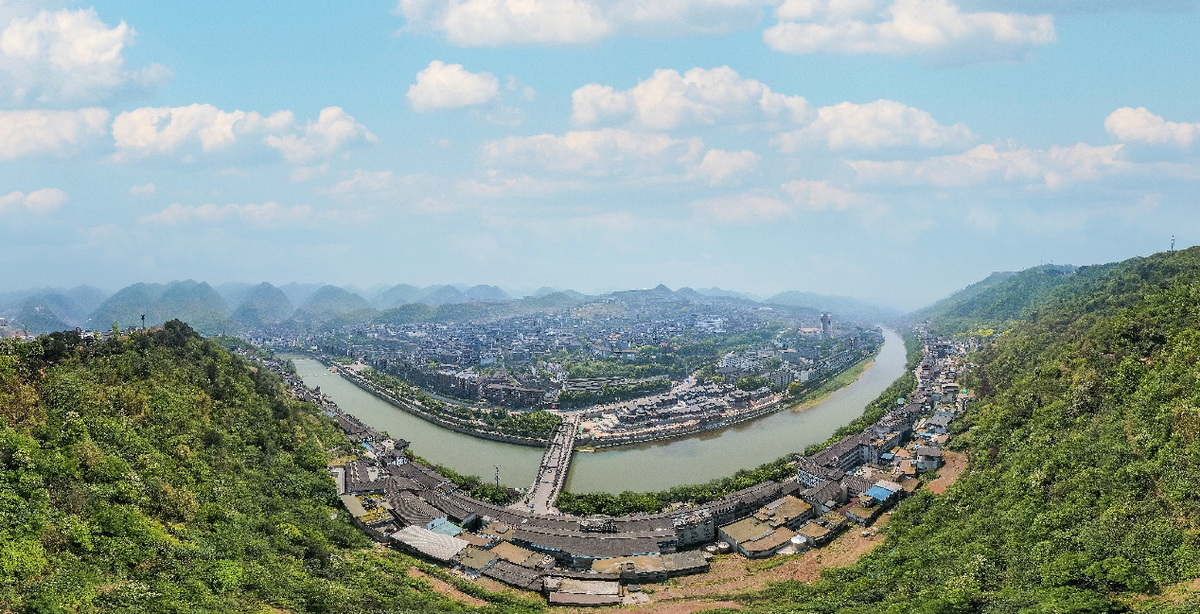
(593, 444)
(647, 467)
(810, 399)
(382, 394)
(839, 381)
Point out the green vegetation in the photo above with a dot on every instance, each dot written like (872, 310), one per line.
(681, 358)
(587, 504)
(754, 382)
(1085, 461)
(1001, 299)
(611, 394)
(538, 424)
(158, 473)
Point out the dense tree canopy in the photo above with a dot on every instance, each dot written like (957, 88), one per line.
(1085, 460)
(156, 472)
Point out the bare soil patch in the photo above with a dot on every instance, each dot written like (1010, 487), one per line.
(442, 587)
(956, 463)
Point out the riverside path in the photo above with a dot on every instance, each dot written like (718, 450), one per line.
(552, 473)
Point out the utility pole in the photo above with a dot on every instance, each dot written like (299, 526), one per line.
(1172, 242)
(143, 321)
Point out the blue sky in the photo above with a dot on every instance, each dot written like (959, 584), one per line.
(893, 150)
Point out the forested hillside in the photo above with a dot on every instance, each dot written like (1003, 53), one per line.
(1000, 299)
(156, 472)
(1085, 464)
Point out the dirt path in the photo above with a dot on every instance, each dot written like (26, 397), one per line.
(956, 463)
(441, 587)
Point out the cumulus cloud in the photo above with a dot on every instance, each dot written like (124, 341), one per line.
(333, 131)
(38, 201)
(164, 130)
(450, 86)
(27, 133)
(905, 27)
(1053, 167)
(597, 153)
(203, 128)
(669, 99)
(1139, 125)
(721, 167)
(67, 55)
(874, 125)
(267, 214)
(524, 22)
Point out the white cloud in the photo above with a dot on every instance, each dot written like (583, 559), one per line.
(147, 189)
(24, 133)
(722, 167)
(204, 128)
(67, 55)
(1139, 125)
(418, 191)
(598, 153)
(500, 22)
(165, 130)
(333, 131)
(820, 196)
(524, 22)
(1054, 167)
(801, 196)
(742, 208)
(268, 214)
(375, 185)
(496, 185)
(38, 201)
(701, 95)
(874, 125)
(450, 86)
(905, 27)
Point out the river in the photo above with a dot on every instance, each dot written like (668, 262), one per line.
(646, 467)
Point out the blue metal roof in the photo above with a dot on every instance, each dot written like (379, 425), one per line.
(879, 493)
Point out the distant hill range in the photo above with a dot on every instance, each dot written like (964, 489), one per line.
(236, 307)
(843, 305)
(1002, 298)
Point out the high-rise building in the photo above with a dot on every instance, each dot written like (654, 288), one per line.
(826, 325)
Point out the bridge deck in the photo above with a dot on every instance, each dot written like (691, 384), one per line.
(552, 473)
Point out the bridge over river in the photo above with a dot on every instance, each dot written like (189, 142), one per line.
(552, 473)
(643, 467)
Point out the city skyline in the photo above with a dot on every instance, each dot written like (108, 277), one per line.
(844, 147)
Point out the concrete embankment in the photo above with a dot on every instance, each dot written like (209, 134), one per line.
(427, 416)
